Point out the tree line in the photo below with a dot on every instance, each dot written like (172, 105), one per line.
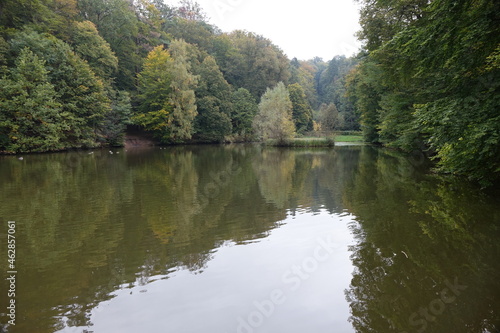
(76, 73)
(428, 80)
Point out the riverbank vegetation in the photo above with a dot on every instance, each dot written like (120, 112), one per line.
(428, 80)
(77, 73)
(302, 142)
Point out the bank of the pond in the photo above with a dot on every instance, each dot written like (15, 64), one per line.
(302, 142)
(329, 141)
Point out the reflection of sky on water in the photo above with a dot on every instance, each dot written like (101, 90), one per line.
(240, 275)
(175, 240)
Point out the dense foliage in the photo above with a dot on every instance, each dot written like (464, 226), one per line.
(429, 80)
(75, 73)
(274, 119)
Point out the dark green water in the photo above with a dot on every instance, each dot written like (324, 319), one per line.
(240, 239)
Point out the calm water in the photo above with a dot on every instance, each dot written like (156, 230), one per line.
(244, 239)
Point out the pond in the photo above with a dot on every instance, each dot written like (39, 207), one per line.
(245, 239)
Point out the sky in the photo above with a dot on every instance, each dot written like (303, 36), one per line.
(302, 29)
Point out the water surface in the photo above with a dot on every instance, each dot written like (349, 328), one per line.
(244, 239)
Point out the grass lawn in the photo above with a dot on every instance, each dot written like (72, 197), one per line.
(349, 138)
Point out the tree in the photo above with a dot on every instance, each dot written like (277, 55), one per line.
(302, 72)
(30, 120)
(118, 24)
(90, 46)
(274, 120)
(183, 98)
(4, 49)
(192, 31)
(150, 22)
(332, 89)
(117, 118)
(167, 99)
(44, 16)
(243, 112)
(155, 81)
(429, 81)
(382, 20)
(329, 117)
(301, 110)
(81, 94)
(364, 90)
(191, 10)
(252, 62)
(213, 95)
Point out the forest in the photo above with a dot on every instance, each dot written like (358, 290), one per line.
(78, 73)
(75, 74)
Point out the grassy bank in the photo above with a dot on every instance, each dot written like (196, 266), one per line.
(314, 141)
(302, 142)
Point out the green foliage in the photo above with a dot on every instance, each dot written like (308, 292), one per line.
(465, 134)
(329, 117)
(183, 97)
(213, 96)
(303, 142)
(192, 31)
(30, 120)
(154, 92)
(303, 73)
(365, 91)
(243, 111)
(116, 119)
(117, 23)
(90, 46)
(301, 110)
(115, 37)
(205, 87)
(431, 81)
(4, 49)
(332, 89)
(168, 104)
(154, 81)
(274, 120)
(253, 62)
(43, 15)
(80, 93)
(382, 20)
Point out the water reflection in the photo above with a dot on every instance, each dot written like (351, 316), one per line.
(427, 251)
(96, 227)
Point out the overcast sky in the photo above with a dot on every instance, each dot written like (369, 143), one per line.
(302, 29)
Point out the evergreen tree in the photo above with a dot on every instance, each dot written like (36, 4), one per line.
(301, 110)
(81, 94)
(30, 118)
